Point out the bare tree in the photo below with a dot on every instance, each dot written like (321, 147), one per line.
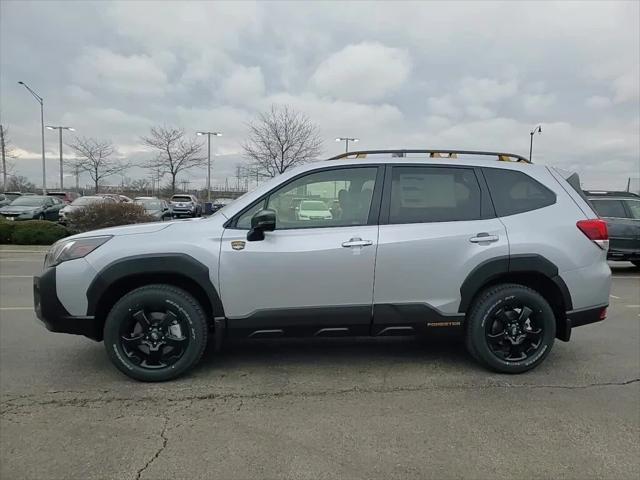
(176, 153)
(6, 148)
(94, 157)
(280, 139)
(19, 183)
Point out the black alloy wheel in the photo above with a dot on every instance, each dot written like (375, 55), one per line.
(155, 333)
(510, 328)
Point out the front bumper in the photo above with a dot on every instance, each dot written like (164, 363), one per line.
(52, 313)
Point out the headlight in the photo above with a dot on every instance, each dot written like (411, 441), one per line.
(71, 249)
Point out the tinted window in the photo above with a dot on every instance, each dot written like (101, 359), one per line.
(609, 208)
(634, 208)
(515, 192)
(433, 194)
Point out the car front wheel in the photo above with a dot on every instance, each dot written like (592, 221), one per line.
(155, 333)
(510, 328)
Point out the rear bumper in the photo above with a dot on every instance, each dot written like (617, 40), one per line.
(623, 255)
(577, 318)
(52, 313)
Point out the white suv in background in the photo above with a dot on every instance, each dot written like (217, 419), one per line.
(505, 252)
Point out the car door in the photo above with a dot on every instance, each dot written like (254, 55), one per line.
(309, 275)
(50, 210)
(436, 226)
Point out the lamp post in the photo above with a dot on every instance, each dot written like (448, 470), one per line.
(41, 102)
(532, 133)
(60, 129)
(209, 134)
(347, 140)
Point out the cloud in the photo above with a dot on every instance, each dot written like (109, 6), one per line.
(100, 68)
(598, 101)
(245, 85)
(537, 103)
(486, 90)
(364, 71)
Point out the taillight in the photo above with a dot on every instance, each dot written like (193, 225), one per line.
(596, 230)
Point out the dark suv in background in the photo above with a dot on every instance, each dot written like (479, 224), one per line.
(621, 210)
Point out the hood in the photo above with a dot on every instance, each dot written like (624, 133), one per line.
(139, 228)
(19, 209)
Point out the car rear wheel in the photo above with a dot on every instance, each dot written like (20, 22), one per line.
(41, 216)
(510, 328)
(155, 333)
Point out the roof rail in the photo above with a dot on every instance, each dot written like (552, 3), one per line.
(504, 157)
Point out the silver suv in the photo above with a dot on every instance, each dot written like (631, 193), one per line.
(507, 253)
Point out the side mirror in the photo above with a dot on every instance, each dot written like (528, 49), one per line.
(262, 221)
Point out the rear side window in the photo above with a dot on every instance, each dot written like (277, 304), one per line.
(515, 192)
(433, 194)
(609, 208)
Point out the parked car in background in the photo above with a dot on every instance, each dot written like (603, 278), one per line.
(65, 197)
(158, 209)
(32, 207)
(80, 203)
(621, 210)
(314, 210)
(117, 197)
(185, 205)
(219, 203)
(7, 197)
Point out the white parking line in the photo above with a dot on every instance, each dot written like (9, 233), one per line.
(616, 277)
(16, 276)
(632, 306)
(15, 308)
(613, 296)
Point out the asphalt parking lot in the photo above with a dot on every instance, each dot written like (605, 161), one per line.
(321, 409)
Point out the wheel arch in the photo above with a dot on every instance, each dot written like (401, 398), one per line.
(126, 274)
(533, 271)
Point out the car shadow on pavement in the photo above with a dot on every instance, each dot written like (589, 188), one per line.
(333, 352)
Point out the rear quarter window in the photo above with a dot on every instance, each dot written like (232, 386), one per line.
(515, 192)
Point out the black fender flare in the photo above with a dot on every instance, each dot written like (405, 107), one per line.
(179, 264)
(494, 268)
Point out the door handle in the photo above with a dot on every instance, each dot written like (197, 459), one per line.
(484, 237)
(357, 242)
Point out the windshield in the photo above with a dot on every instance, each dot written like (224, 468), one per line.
(313, 205)
(180, 198)
(86, 201)
(150, 204)
(29, 201)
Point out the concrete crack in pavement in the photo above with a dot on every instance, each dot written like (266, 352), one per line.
(10, 406)
(163, 436)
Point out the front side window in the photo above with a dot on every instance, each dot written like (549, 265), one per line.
(609, 208)
(330, 198)
(514, 192)
(433, 194)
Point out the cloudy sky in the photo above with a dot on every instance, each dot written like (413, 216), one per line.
(477, 75)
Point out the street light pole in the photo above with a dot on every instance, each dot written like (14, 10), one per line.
(41, 101)
(51, 127)
(532, 133)
(347, 140)
(208, 134)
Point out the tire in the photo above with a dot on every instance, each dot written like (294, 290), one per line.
(41, 216)
(497, 319)
(153, 300)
